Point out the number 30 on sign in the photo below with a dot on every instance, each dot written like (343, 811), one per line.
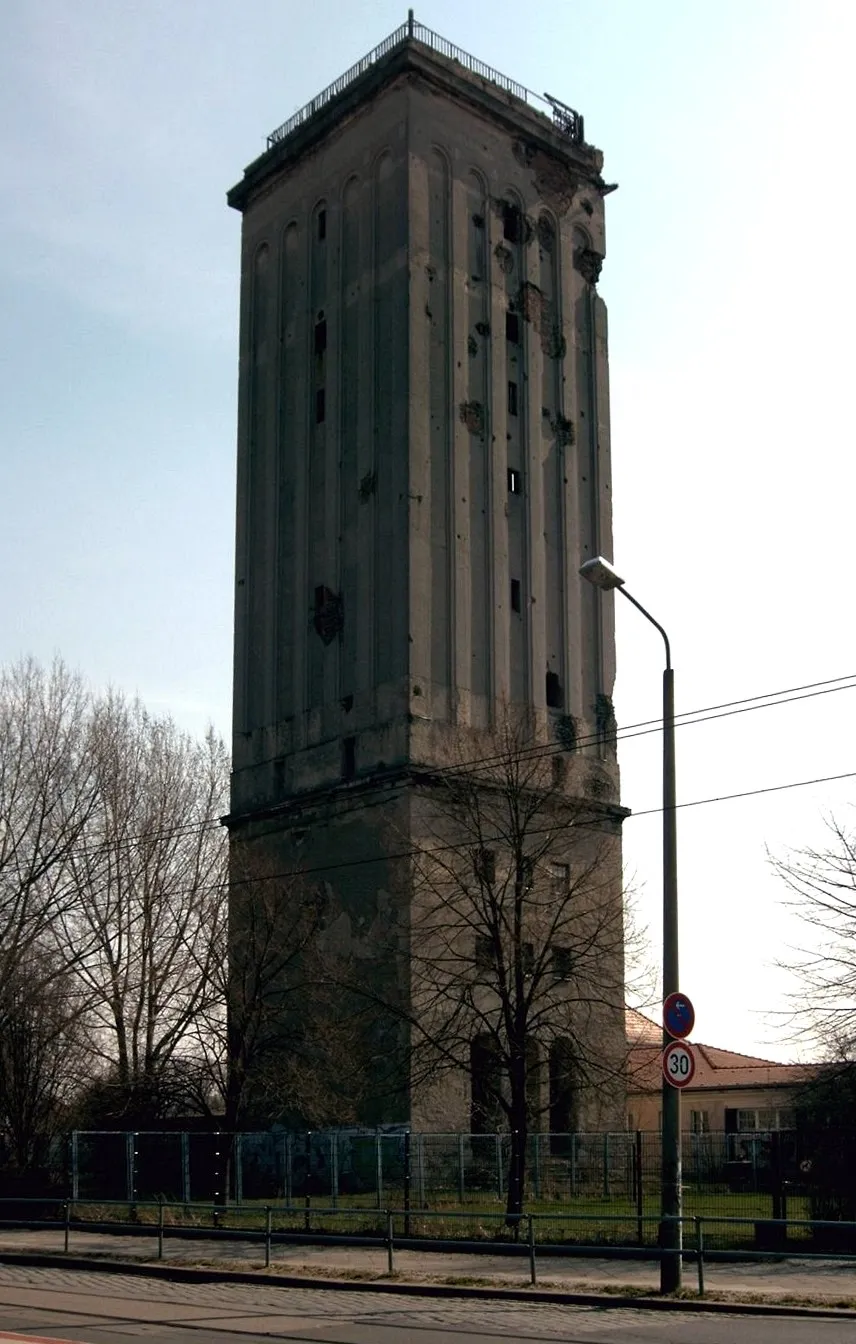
(679, 1064)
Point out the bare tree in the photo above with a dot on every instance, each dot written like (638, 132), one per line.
(48, 794)
(516, 944)
(45, 1051)
(292, 1046)
(822, 891)
(150, 872)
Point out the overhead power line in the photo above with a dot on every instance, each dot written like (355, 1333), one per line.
(687, 718)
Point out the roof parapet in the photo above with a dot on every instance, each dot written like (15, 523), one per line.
(565, 120)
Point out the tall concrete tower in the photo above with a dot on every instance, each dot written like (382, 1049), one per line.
(423, 455)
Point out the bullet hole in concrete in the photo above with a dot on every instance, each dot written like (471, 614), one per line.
(563, 429)
(417, 690)
(478, 221)
(555, 696)
(428, 313)
(546, 233)
(329, 614)
(505, 258)
(368, 486)
(587, 206)
(430, 271)
(483, 328)
(472, 345)
(589, 264)
(471, 414)
(566, 732)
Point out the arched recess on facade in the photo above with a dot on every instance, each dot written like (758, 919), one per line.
(485, 1086)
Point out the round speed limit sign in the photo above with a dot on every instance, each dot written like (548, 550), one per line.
(679, 1064)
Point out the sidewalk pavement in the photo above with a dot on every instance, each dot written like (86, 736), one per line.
(825, 1282)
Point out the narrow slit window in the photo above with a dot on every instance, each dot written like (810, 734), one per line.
(322, 225)
(512, 328)
(512, 398)
(555, 699)
(515, 594)
(320, 406)
(320, 337)
(511, 223)
(515, 482)
(349, 757)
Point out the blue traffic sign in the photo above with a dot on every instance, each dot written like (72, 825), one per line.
(678, 1016)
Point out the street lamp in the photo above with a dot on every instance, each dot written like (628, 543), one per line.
(601, 573)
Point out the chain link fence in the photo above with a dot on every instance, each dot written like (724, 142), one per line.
(752, 1175)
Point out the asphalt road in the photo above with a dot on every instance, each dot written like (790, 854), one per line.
(92, 1308)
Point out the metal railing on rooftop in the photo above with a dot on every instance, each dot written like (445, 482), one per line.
(565, 119)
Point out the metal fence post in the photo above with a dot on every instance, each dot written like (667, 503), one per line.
(532, 1275)
(407, 1183)
(185, 1167)
(307, 1196)
(239, 1169)
(536, 1165)
(499, 1165)
(573, 1166)
(640, 1210)
(289, 1169)
(267, 1236)
(75, 1165)
(420, 1169)
(334, 1169)
(160, 1227)
(379, 1169)
(606, 1166)
(390, 1249)
(129, 1166)
(699, 1232)
(67, 1212)
(461, 1168)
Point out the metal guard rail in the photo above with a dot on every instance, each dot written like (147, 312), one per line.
(528, 1221)
(565, 120)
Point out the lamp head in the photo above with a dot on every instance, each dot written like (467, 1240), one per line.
(600, 572)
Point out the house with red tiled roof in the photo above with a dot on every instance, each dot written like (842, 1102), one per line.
(730, 1092)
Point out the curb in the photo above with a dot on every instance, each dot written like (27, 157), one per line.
(187, 1274)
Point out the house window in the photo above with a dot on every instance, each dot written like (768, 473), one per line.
(747, 1121)
(320, 406)
(512, 398)
(322, 225)
(560, 963)
(527, 872)
(515, 594)
(484, 862)
(349, 757)
(512, 328)
(484, 952)
(527, 958)
(515, 481)
(320, 337)
(560, 880)
(700, 1122)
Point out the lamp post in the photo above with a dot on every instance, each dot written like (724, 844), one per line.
(600, 573)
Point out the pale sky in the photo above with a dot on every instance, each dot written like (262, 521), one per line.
(730, 281)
